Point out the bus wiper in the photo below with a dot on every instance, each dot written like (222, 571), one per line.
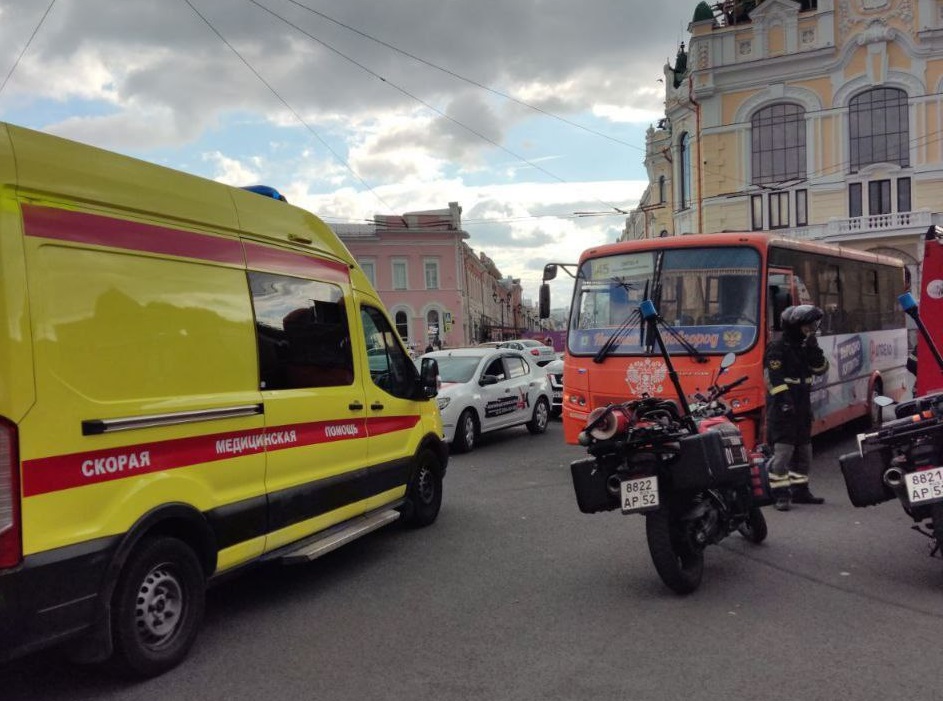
(683, 342)
(617, 336)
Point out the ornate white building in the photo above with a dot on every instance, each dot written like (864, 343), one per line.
(816, 119)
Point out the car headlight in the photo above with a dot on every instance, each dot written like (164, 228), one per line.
(442, 402)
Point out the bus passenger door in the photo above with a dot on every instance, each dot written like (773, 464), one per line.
(779, 295)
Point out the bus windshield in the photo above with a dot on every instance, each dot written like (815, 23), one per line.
(709, 294)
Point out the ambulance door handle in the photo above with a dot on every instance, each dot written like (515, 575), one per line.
(355, 406)
(376, 406)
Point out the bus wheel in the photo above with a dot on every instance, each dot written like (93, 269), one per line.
(875, 412)
(158, 607)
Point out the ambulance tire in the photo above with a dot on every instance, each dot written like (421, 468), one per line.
(424, 493)
(157, 608)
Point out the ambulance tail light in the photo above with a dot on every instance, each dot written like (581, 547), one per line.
(11, 549)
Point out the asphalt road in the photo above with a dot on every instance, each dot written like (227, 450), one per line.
(514, 594)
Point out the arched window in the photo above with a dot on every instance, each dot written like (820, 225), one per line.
(402, 325)
(879, 128)
(684, 151)
(661, 189)
(778, 144)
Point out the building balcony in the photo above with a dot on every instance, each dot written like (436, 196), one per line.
(861, 228)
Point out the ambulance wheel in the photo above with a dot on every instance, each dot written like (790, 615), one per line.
(466, 432)
(157, 608)
(424, 493)
(538, 424)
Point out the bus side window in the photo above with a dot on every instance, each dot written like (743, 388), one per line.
(779, 300)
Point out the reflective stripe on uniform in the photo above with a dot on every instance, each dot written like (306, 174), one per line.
(795, 478)
(779, 388)
(797, 381)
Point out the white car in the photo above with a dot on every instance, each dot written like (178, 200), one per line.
(486, 389)
(538, 351)
(554, 370)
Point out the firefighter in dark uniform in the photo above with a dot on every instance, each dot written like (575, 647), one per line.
(789, 365)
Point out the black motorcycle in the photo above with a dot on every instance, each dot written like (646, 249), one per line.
(683, 466)
(903, 458)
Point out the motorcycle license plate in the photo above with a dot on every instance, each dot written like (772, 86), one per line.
(639, 494)
(925, 486)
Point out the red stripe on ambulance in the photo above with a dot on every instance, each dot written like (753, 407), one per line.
(95, 229)
(56, 473)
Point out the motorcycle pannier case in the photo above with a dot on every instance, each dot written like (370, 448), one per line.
(589, 481)
(864, 477)
(711, 459)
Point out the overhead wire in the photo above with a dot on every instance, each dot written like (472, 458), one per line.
(426, 104)
(465, 79)
(291, 109)
(26, 46)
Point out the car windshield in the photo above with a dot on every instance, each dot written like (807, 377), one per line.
(710, 295)
(457, 368)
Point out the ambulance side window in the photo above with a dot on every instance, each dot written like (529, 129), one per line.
(390, 368)
(302, 332)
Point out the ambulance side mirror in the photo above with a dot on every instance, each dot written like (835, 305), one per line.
(428, 378)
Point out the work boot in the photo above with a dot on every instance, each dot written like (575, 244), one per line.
(802, 495)
(783, 502)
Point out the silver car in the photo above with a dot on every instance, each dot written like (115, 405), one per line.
(486, 389)
(537, 351)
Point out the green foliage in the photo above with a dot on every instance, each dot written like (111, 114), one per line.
(703, 12)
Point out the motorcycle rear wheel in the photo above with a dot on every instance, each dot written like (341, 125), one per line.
(754, 528)
(679, 565)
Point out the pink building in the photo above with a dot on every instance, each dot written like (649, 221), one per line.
(433, 284)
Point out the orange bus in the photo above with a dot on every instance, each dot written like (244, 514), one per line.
(723, 293)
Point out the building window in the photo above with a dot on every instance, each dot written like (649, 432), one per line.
(879, 197)
(684, 148)
(854, 200)
(778, 210)
(369, 269)
(402, 325)
(903, 194)
(778, 144)
(661, 189)
(399, 275)
(432, 274)
(756, 212)
(802, 208)
(879, 128)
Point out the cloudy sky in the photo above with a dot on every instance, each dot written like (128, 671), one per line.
(522, 111)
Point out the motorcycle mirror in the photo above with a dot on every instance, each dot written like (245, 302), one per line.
(883, 401)
(728, 360)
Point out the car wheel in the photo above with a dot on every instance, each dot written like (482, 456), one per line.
(538, 424)
(424, 493)
(158, 607)
(466, 432)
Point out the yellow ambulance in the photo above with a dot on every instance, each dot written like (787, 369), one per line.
(193, 378)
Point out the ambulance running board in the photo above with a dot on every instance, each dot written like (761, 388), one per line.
(344, 534)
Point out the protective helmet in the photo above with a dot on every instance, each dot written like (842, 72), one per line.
(793, 318)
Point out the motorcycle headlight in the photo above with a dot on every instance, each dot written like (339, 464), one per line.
(442, 402)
